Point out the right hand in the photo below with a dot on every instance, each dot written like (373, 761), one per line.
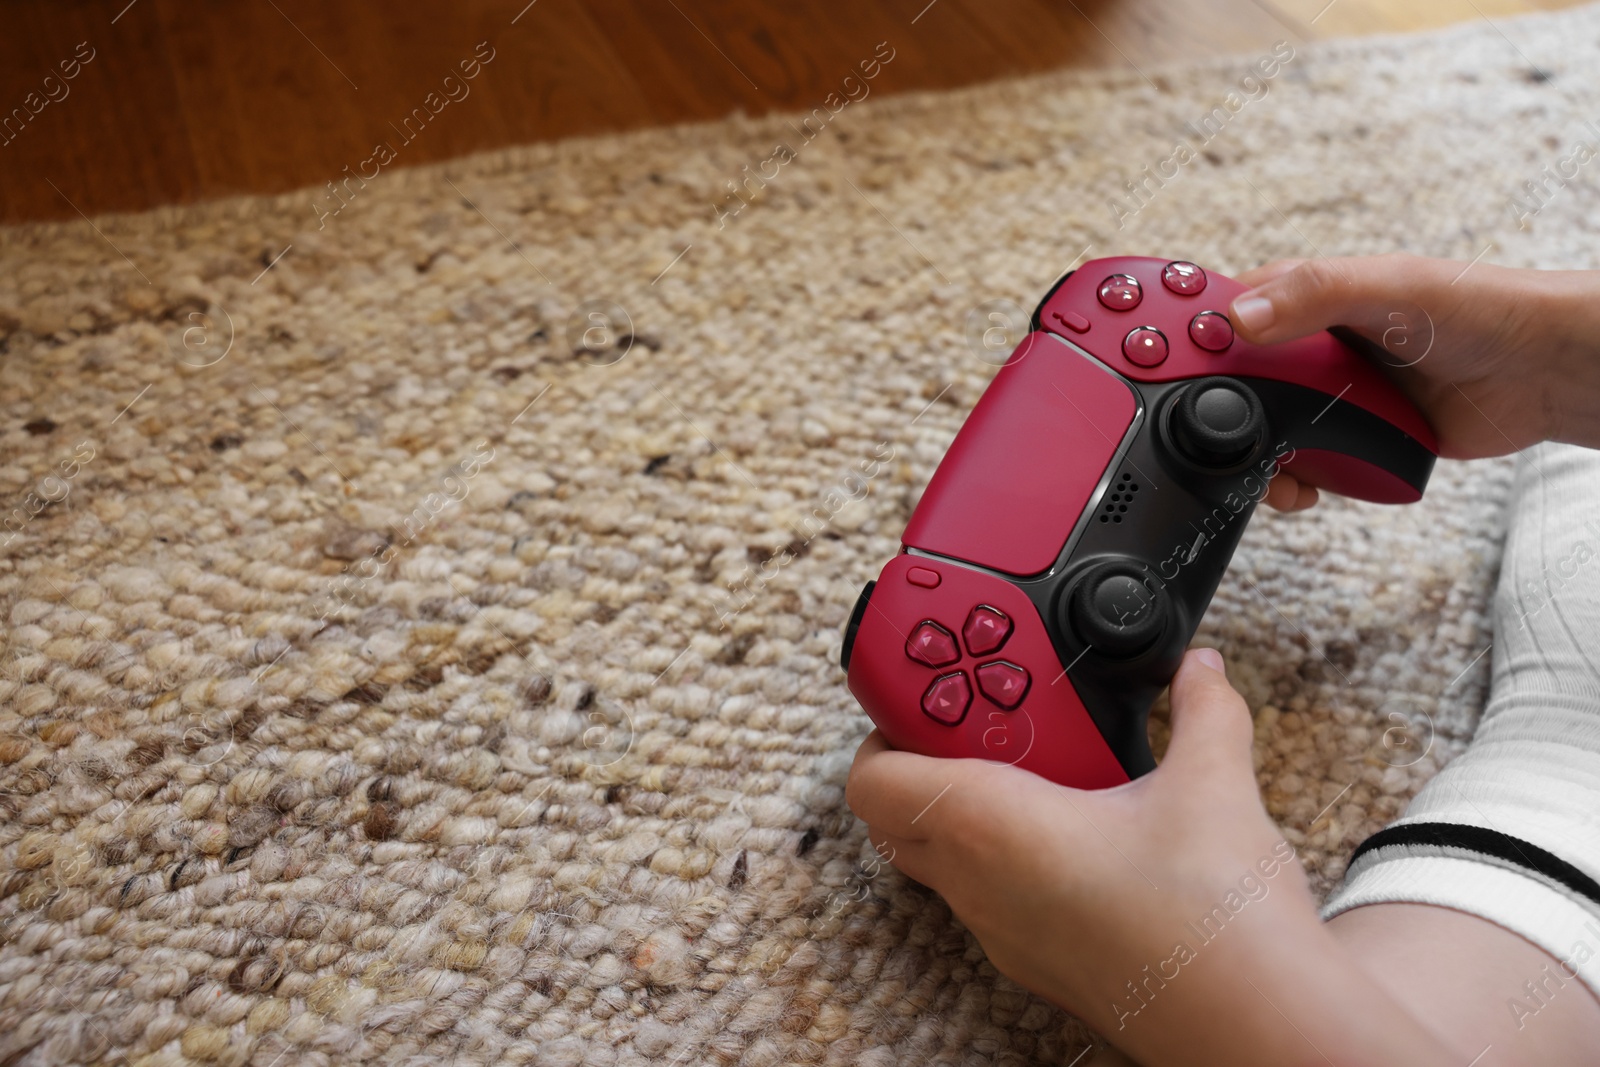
(1496, 358)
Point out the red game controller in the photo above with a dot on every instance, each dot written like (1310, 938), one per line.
(1061, 558)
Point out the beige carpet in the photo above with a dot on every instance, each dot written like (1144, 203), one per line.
(414, 680)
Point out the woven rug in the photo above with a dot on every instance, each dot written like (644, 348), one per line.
(422, 616)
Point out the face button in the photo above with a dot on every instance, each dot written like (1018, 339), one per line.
(986, 629)
(1146, 346)
(1072, 321)
(932, 645)
(1004, 683)
(924, 577)
(1182, 278)
(1212, 331)
(1121, 292)
(948, 698)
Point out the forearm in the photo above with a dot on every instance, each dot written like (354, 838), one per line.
(1282, 993)
(1568, 304)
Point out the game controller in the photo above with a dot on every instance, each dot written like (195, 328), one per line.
(1066, 548)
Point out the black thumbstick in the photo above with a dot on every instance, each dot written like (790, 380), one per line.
(1217, 422)
(1116, 613)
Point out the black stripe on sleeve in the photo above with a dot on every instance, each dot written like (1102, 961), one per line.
(1457, 837)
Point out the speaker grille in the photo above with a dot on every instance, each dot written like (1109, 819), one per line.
(1118, 496)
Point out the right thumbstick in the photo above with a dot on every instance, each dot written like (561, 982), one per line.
(1217, 422)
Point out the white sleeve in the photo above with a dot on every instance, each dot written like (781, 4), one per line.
(1510, 830)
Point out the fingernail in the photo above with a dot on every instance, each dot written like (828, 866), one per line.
(1211, 658)
(1253, 312)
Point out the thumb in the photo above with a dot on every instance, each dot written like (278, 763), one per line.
(1374, 295)
(1211, 727)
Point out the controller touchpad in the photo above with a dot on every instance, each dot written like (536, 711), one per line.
(1025, 464)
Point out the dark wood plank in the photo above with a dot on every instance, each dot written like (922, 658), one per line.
(187, 100)
(116, 141)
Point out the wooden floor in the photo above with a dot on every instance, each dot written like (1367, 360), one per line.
(178, 102)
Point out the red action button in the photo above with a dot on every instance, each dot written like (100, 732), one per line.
(1072, 321)
(986, 629)
(1212, 331)
(932, 645)
(948, 698)
(1004, 683)
(1146, 346)
(1121, 292)
(924, 577)
(1182, 278)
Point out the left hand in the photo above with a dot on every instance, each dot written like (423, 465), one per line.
(1085, 896)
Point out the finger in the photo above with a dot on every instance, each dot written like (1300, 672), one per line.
(1287, 493)
(1266, 272)
(893, 790)
(1211, 726)
(864, 781)
(1361, 292)
(909, 857)
(1282, 492)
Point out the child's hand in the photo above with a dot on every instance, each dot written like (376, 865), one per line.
(1169, 913)
(1497, 359)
